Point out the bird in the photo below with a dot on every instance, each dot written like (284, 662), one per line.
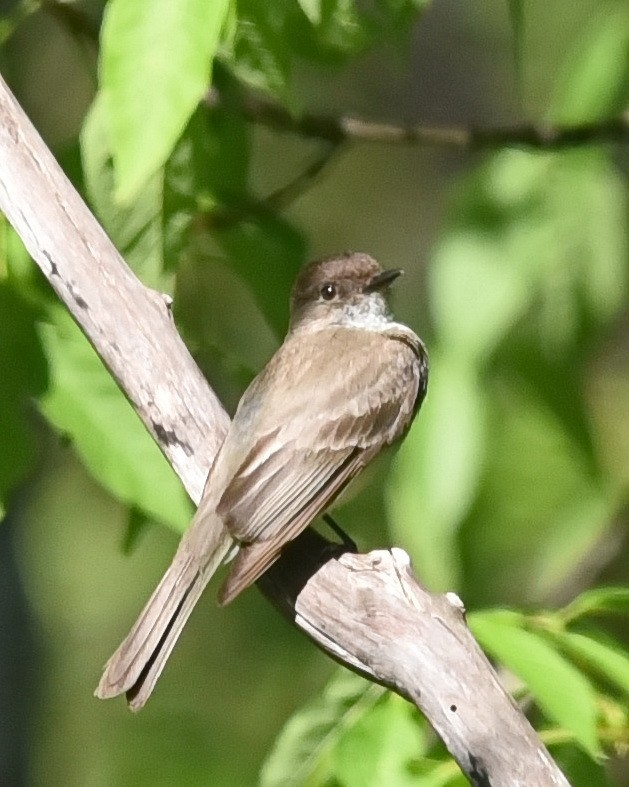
(346, 382)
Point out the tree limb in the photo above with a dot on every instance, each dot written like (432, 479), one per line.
(129, 325)
(542, 136)
(367, 611)
(370, 613)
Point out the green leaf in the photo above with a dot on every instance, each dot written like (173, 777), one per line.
(266, 251)
(529, 276)
(207, 172)
(342, 33)
(23, 376)
(312, 9)
(437, 469)
(483, 273)
(578, 283)
(206, 190)
(597, 601)
(603, 657)
(589, 200)
(561, 691)
(266, 39)
(22, 278)
(135, 228)
(579, 768)
(156, 59)
(258, 49)
(304, 745)
(475, 295)
(214, 305)
(378, 750)
(84, 402)
(594, 83)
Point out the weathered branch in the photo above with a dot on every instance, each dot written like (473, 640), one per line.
(130, 326)
(336, 130)
(366, 610)
(370, 613)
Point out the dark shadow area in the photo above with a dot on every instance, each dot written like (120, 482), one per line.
(16, 665)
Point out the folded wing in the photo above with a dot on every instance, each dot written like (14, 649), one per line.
(304, 458)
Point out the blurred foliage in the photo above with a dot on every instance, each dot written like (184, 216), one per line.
(512, 486)
(83, 402)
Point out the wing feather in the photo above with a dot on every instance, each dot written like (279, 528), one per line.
(255, 557)
(252, 512)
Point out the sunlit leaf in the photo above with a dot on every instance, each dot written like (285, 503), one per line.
(378, 749)
(594, 79)
(342, 33)
(258, 47)
(304, 745)
(601, 657)
(477, 295)
(135, 228)
(529, 273)
(156, 59)
(265, 39)
(17, 271)
(597, 601)
(533, 234)
(312, 9)
(560, 690)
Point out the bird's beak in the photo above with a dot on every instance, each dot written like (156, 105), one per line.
(383, 280)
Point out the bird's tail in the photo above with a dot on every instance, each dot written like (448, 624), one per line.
(137, 664)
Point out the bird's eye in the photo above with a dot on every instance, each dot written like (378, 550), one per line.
(328, 291)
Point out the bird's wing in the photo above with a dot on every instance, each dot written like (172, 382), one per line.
(301, 461)
(254, 557)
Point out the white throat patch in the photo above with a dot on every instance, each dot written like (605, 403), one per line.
(370, 313)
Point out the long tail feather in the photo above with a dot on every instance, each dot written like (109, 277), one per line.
(138, 662)
(251, 562)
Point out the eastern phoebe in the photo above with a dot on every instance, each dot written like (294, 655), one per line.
(346, 382)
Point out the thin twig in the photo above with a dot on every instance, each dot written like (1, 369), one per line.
(227, 215)
(291, 191)
(337, 130)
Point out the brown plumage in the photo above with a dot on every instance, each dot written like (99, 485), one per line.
(345, 383)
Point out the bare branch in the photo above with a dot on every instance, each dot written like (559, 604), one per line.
(130, 326)
(371, 614)
(344, 129)
(366, 610)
